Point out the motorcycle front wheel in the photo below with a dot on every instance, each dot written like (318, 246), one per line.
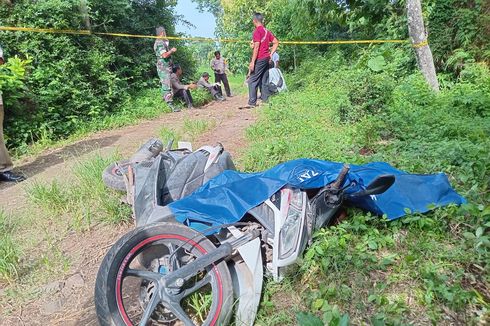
(126, 292)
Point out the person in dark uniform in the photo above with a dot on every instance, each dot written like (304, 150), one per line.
(219, 66)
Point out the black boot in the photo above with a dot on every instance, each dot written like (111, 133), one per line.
(9, 176)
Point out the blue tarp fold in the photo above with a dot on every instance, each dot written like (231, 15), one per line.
(227, 197)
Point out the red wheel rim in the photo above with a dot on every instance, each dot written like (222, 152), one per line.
(135, 250)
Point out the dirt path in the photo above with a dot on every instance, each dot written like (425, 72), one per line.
(68, 301)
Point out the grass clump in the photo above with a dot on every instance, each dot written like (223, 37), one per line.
(167, 134)
(421, 269)
(190, 130)
(193, 128)
(85, 199)
(201, 97)
(9, 249)
(50, 196)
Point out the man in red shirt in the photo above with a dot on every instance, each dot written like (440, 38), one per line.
(259, 64)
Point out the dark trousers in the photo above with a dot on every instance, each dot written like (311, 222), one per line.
(185, 95)
(222, 78)
(258, 79)
(216, 91)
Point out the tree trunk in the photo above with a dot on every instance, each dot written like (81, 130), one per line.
(418, 36)
(85, 15)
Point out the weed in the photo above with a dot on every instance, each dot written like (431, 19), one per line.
(201, 97)
(167, 134)
(422, 268)
(50, 196)
(193, 128)
(86, 198)
(200, 303)
(9, 250)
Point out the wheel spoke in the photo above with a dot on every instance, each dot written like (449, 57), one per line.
(155, 300)
(198, 285)
(177, 310)
(174, 261)
(146, 275)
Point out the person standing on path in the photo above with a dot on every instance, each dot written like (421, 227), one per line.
(219, 66)
(6, 164)
(164, 65)
(259, 64)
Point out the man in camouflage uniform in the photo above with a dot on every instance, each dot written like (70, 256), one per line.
(6, 165)
(164, 65)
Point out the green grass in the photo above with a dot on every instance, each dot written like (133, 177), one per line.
(190, 130)
(421, 269)
(32, 253)
(83, 200)
(49, 196)
(193, 128)
(9, 249)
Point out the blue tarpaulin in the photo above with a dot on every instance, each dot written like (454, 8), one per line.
(227, 197)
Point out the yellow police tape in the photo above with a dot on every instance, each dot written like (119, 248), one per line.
(198, 39)
(421, 44)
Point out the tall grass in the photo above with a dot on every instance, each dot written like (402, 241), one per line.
(85, 199)
(413, 271)
(9, 249)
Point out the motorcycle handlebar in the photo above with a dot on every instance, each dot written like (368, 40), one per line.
(340, 179)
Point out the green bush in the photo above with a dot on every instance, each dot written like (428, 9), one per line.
(416, 270)
(71, 79)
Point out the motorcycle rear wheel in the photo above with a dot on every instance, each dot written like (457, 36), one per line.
(118, 291)
(113, 175)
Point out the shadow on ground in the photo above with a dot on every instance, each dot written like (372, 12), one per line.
(59, 156)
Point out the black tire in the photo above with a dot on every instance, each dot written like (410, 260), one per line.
(108, 299)
(113, 176)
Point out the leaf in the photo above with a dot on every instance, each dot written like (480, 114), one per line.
(344, 321)
(377, 63)
(479, 232)
(372, 245)
(308, 319)
(318, 303)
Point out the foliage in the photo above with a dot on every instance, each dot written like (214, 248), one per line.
(454, 25)
(9, 250)
(201, 97)
(12, 76)
(420, 269)
(459, 27)
(76, 79)
(86, 199)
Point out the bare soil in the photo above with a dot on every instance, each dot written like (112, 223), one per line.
(69, 300)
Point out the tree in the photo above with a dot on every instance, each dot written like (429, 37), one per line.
(418, 36)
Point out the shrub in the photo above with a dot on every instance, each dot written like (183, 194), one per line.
(74, 79)
(414, 270)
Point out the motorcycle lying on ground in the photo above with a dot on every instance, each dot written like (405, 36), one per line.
(167, 273)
